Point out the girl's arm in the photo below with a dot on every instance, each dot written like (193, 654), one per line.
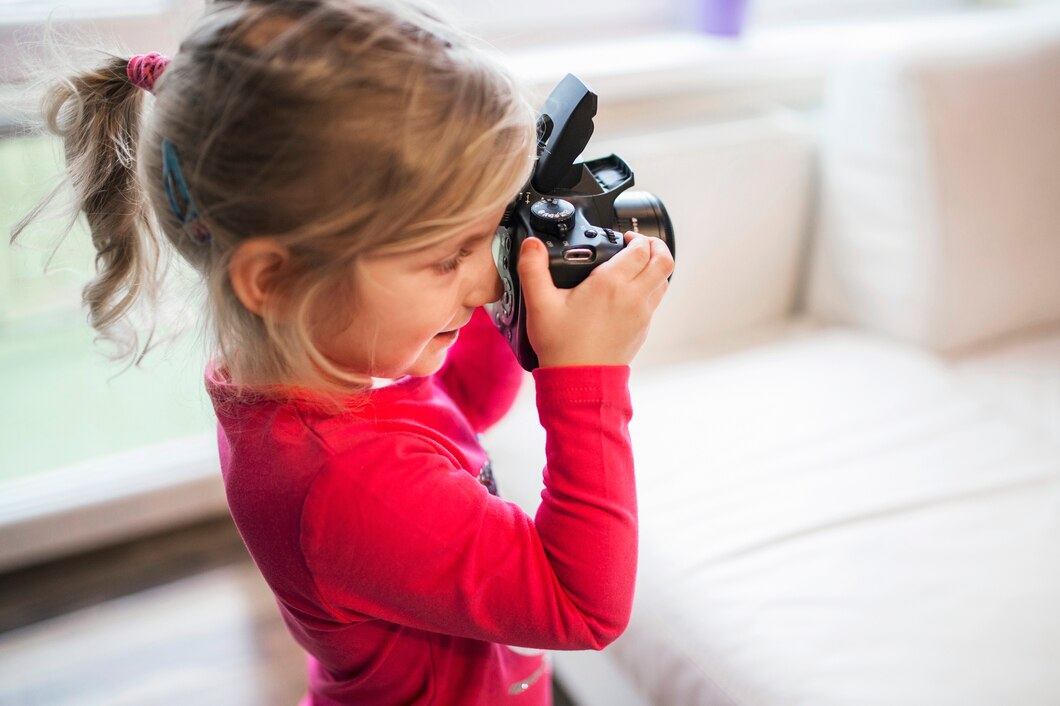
(393, 529)
(481, 374)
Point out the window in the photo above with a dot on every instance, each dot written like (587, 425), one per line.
(64, 404)
(62, 395)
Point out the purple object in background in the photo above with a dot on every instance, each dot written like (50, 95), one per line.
(722, 17)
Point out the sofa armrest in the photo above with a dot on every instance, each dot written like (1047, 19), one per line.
(939, 213)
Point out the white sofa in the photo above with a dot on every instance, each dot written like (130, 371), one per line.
(847, 414)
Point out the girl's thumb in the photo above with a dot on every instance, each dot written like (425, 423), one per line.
(533, 265)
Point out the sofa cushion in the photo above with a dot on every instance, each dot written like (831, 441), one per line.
(940, 203)
(829, 519)
(1020, 375)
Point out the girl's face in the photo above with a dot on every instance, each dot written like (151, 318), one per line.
(405, 302)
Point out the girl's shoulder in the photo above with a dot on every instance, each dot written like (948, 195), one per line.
(223, 391)
(399, 417)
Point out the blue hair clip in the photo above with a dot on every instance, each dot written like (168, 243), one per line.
(184, 209)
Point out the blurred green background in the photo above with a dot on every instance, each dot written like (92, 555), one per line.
(61, 400)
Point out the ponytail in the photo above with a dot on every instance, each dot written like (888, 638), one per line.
(97, 116)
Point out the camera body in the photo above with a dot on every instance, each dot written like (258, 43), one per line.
(579, 211)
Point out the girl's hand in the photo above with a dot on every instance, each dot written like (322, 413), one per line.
(602, 321)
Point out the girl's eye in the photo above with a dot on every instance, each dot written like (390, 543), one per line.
(453, 263)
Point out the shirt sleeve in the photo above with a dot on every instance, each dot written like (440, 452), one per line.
(397, 531)
(480, 373)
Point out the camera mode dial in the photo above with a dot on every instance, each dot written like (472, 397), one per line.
(552, 216)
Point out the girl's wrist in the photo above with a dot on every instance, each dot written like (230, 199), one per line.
(576, 363)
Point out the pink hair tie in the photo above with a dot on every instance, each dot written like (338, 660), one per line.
(144, 69)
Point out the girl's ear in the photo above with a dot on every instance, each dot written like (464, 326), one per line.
(252, 268)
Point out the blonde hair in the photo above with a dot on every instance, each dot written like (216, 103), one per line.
(336, 127)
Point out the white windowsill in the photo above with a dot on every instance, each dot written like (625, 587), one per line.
(109, 499)
(114, 498)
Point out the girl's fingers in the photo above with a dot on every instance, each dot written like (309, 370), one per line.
(660, 264)
(654, 298)
(628, 262)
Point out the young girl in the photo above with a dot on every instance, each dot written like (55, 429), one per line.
(336, 171)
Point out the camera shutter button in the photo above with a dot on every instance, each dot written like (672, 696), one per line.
(590, 233)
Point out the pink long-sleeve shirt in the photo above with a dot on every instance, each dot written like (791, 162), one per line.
(393, 561)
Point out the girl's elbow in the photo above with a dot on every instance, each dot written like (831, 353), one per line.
(600, 634)
(605, 638)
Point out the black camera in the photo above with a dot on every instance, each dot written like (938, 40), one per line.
(578, 210)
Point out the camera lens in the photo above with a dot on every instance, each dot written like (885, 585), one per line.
(643, 212)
